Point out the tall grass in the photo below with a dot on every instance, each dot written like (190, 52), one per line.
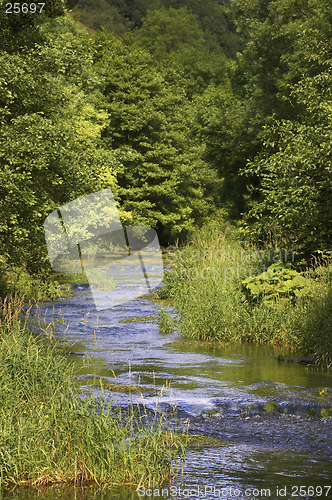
(17, 279)
(205, 282)
(50, 433)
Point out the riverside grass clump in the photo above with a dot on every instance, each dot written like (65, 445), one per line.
(226, 290)
(16, 279)
(50, 433)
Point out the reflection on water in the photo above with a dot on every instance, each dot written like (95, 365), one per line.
(195, 379)
(70, 493)
(191, 377)
(228, 471)
(242, 467)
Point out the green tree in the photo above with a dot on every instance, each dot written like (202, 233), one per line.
(137, 9)
(282, 42)
(175, 39)
(228, 127)
(50, 122)
(19, 30)
(96, 14)
(164, 182)
(295, 169)
(215, 21)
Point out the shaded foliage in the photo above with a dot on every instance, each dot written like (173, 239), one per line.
(43, 164)
(119, 16)
(164, 182)
(269, 136)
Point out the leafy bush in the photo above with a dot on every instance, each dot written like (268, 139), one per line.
(215, 300)
(17, 280)
(278, 281)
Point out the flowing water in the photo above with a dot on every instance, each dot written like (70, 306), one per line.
(270, 421)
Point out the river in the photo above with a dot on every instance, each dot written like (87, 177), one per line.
(270, 421)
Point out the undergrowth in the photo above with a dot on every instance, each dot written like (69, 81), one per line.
(17, 279)
(51, 433)
(224, 290)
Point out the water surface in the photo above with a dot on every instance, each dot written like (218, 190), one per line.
(224, 391)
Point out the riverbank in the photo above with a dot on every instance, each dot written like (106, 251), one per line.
(51, 433)
(213, 385)
(225, 290)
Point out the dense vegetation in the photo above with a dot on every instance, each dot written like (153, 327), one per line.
(191, 112)
(53, 433)
(224, 291)
(196, 111)
(82, 112)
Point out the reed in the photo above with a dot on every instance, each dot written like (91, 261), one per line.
(50, 432)
(205, 281)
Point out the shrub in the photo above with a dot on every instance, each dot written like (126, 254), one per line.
(278, 281)
(216, 300)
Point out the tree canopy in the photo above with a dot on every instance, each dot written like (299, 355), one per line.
(164, 183)
(50, 122)
(182, 117)
(269, 137)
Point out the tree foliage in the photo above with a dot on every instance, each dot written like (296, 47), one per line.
(49, 125)
(20, 29)
(294, 164)
(166, 120)
(119, 16)
(295, 170)
(269, 138)
(175, 39)
(164, 182)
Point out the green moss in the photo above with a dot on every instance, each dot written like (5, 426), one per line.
(131, 319)
(197, 440)
(155, 298)
(270, 406)
(64, 290)
(195, 343)
(326, 412)
(70, 277)
(322, 392)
